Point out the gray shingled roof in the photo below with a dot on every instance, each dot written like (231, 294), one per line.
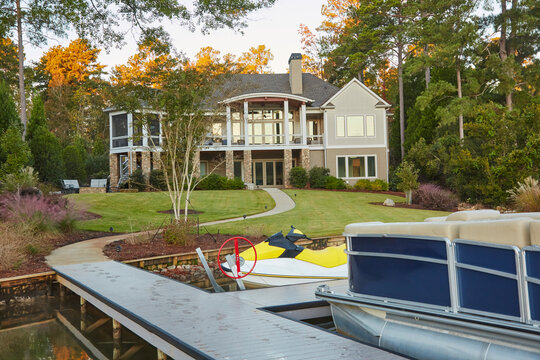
(313, 87)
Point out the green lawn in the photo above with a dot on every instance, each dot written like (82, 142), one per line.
(127, 212)
(320, 213)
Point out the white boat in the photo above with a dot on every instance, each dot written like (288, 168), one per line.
(281, 262)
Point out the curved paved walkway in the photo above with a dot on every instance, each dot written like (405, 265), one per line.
(91, 250)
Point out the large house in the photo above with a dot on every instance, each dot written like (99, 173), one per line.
(274, 122)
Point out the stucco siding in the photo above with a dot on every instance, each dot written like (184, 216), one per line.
(379, 153)
(316, 158)
(355, 100)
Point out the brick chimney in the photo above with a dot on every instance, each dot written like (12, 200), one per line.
(295, 73)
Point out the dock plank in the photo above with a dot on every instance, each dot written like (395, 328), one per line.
(187, 322)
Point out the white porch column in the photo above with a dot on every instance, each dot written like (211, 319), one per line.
(286, 121)
(130, 129)
(303, 126)
(246, 129)
(145, 135)
(229, 134)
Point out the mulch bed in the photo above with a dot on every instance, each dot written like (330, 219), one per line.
(395, 193)
(36, 263)
(407, 206)
(158, 246)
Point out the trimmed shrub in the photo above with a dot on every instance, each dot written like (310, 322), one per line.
(212, 182)
(363, 184)
(137, 180)
(157, 180)
(379, 185)
(432, 196)
(298, 177)
(178, 232)
(234, 184)
(318, 176)
(334, 183)
(526, 196)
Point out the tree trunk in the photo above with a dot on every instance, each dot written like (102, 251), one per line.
(428, 69)
(401, 100)
(21, 69)
(460, 95)
(503, 53)
(408, 196)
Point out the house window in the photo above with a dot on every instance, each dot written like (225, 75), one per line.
(370, 125)
(356, 166)
(238, 170)
(340, 126)
(203, 168)
(119, 130)
(355, 125)
(154, 128)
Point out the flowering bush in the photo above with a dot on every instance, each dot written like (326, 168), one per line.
(39, 213)
(434, 197)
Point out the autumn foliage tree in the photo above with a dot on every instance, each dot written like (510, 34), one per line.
(256, 60)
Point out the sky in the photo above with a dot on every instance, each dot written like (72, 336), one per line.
(276, 27)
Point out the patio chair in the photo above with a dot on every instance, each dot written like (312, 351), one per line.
(70, 187)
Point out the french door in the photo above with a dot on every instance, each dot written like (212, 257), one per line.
(268, 172)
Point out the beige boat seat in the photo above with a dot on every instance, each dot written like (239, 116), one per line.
(509, 232)
(473, 215)
(535, 232)
(445, 229)
(531, 215)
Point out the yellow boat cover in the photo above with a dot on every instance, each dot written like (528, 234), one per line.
(329, 257)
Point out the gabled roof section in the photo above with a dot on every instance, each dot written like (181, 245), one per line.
(381, 101)
(316, 90)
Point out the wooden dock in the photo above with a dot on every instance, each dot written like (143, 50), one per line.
(186, 322)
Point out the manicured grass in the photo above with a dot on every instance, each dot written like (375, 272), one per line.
(127, 212)
(320, 213)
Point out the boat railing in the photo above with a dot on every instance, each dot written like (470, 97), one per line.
(460, 276)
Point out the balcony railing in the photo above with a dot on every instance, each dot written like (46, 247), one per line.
(262, 140)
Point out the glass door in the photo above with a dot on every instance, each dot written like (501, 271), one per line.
(258, 171)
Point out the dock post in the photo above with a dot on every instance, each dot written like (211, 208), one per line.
(62, 292)
(216, 286)
(84, 306)
(117, 341)
(161, 355)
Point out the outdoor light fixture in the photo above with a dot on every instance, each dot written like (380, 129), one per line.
(245, 216)
(118, 248)
(111, 229)
(266, 206)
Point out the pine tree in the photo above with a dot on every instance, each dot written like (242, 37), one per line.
(37, 117)
(14, 152)
(74, 164)
(8, 110)
(47, 154)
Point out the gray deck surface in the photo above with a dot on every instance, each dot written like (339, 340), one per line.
(220, 326)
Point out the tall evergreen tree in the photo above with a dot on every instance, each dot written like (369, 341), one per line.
(14, 152)
(47, 156)
(37, 117)
(8, 110)
(74, 164)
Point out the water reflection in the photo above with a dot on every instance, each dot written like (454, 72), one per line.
(47, 340)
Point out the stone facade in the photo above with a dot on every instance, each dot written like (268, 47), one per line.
(156, 155)
(113, 169)
(229, 164)
(145, 163)
(287, 166)
(92, 190)
(248, 178)
(133, 162)
(197, 164)
(305, 158)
